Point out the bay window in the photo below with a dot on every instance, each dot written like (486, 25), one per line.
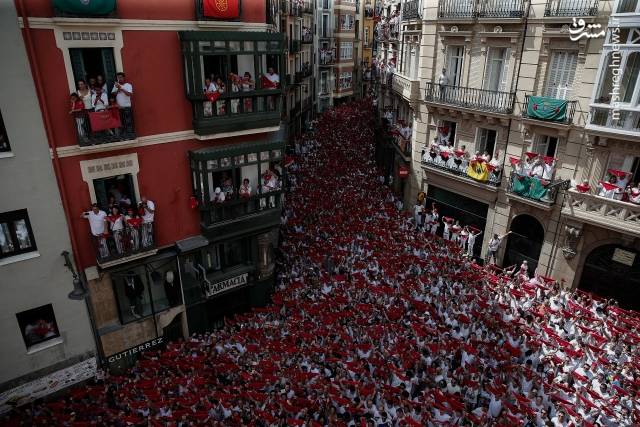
(233, 79)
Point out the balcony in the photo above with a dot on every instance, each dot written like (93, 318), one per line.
(623, 217)
(536, 192)
(501, 9)
(293, 8)
(257, 107)
(405, 87)
(103, 127)
(471, 98)
(411, 10)
(607, 119)
(369, 12)
(571, 8)
(457, 9)
(326, 57)
(550, 110)
(125, 245)
(295, 46)
(454, 165)
(307, 38)
(223, 170)
(85, 9)
(307, 8)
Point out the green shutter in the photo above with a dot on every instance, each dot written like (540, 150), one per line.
(77, 64)
(85, 7)
(109, 65)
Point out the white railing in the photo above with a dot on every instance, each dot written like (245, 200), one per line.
(409, 89)
(607, 213)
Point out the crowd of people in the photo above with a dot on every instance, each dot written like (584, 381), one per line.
(374, 324)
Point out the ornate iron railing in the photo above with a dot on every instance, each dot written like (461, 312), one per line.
(466, 97)
(501, 9)
(132, 240)
(458, 166)
(571, 8)
(411, 10)
(99, 132)
(457, 9)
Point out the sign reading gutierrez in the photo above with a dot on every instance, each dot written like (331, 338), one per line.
(234, 282)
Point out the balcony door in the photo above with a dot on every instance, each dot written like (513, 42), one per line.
(455, 59)
(560, 75)
(524, 243)
(496, 69)
(91, 62)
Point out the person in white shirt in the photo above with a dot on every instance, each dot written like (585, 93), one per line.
(99, 99)
(494, 245)
(98, 224)
(148, 215)
(123, 91)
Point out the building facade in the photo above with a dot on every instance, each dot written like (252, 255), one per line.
(523, 126)
(43, 330)
(187, 145)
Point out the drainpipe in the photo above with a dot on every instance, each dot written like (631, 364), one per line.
(57, 168)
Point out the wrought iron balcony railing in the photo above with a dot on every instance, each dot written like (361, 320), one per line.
(571, 8)
(411, 10)
(536, 189)
(501, 9)
(307, 38)
(326, 57)
(295, 46)
(466, 97)
(548, 109)
(110, 125)
(119, 244)
(458, 165)
(457, 9)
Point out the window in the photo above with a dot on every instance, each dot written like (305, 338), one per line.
(346, 22)
(619, 77)
(446, 133)
(38, 325)
(625, 163)
(455, 57)
(147, 289)
(115, 191)
(366, 36)
(4, 140)
(326, 29)
(90, 63)
(16, 235)
(544, 145)
(560, 75)
(230, 76)
(346, 50)
(486, 141)
(324, 83)
(496, 70)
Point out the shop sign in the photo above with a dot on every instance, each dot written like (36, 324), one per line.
(403, 172)
(623, 257)
(137, 349)
(212, 289)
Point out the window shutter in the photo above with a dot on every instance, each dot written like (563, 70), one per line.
(562, 70)
(109, 67)
(552, 75)
(77, 64)
(505, 69)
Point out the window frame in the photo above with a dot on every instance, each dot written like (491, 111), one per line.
(4, 137)
(535, 142)
(346, 47)
(10, 217)
(479, 139)
(21, 323)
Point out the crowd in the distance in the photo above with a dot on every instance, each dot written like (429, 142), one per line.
(375, 324)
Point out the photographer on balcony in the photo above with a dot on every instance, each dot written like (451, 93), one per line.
(147, 210)
(123, 91)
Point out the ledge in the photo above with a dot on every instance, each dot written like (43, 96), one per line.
(45, 345)
(6, 154)
(18, 258)
(536, 204)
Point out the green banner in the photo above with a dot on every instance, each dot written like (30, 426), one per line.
(550, 109)
(526, 186)
(85, 7)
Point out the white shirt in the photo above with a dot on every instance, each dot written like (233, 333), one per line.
(99, 102)
(96, 222)
(123, 100)
(148, 216)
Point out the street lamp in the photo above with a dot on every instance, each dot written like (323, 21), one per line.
(79, 292)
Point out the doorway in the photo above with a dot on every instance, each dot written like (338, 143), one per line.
(524, 242)
(613, 271)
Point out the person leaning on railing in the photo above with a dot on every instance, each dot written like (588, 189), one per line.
(148, 212)
(98, 224)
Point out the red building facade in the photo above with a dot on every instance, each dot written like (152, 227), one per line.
(174, 146)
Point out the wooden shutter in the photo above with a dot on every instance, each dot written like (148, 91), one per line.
(77, 64)
(562, 70)
(505, 69)
(109, 67)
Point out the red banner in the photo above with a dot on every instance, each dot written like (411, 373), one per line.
(222, 9)
(403, 172)
(212, 96)
(105, 119)
(267, 84)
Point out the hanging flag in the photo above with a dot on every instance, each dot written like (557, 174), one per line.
(221, 9)
(478, 170)
(268, 84)
(618, 173)
(212, 96)
(85, 7)
(549, 109)
(105, 119)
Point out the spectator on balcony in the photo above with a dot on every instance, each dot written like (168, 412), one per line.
(633, 193)
(271, 80)
(443, 82)
(84, 93)
(245, 189)
(116, 225)
(218, 196)
(235, 88)
(134, 226)
(99, 99)
(227, 186)
(101, 83)
(211, 93)
(98, 224)
(123, 91)
(124, 202)
(148, 210)
(537, 168)
(220, 104)
(77, 110)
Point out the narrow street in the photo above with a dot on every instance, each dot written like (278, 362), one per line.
(376, 324)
